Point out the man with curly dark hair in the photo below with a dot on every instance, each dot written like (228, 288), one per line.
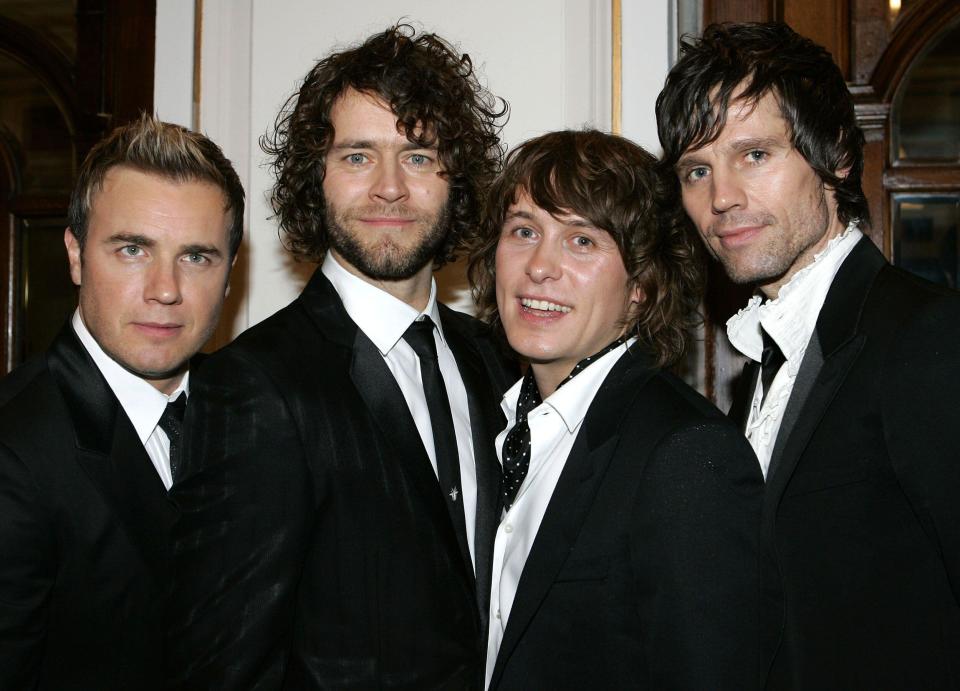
(853, 366)
(626, 554)
(342, 490)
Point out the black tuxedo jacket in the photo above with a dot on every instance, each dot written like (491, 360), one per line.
(315, 549)
(84, 520)
(643, 574)
(861, 518)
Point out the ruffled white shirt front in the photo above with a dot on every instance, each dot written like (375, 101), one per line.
(790, 320)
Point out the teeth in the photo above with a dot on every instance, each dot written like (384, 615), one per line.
(544, 305)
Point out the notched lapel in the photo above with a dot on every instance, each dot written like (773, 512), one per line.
(837, 332)
(558, 532)
(574, 494)
(110, 452)
(389, 411)
(832, 374)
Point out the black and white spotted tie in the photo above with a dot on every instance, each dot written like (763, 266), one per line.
(516, 447)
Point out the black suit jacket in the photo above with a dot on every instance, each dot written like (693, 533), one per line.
(861, 518)
(83, 529)
(643, 574)
(315, 549)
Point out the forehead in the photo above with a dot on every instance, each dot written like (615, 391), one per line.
(523, 204)
(135, 201)
(362, 117)
(747, 119)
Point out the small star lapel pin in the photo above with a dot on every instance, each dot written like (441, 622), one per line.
(454, 493)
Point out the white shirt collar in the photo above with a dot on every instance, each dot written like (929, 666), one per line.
(379, 315)
(791, 318)
(140, 400)
(572, 400)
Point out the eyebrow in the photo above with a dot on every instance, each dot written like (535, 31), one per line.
(144, 241)
(131, 239)
(745, 144)
(200, 249)
(370, 144)
(527, 216)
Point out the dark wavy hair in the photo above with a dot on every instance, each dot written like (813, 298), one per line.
(436, 96)
(764, 58)
(614, 184)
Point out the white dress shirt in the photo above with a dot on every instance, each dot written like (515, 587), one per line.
(140, 400)
(384, 319)
(554, 425)
(790, 320)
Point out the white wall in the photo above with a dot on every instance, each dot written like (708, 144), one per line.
(173, 62)
(551, 59)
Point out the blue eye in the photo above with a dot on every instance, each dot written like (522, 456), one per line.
(356, 158)
(756, 156)
(419, 160)
(131, 250)
(697, 173)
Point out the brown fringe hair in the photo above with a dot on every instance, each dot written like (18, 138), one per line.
(614, 184)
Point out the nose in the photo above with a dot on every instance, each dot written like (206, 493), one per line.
(163, 283)
(726, 192)
(544, 263)
(389, 185)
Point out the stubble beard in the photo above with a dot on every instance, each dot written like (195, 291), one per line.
(385, 259)
(785, 251)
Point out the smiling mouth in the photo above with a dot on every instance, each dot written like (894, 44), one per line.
(545, 305)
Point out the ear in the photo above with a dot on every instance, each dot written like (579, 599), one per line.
(73, 255)
(233, 264)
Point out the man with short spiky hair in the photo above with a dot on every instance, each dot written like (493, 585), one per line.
(854, 366)
(90, 430)
(337, 529)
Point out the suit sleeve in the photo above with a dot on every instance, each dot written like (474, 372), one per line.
(695, 549)
(237, 549)
(27, 570)
(921, 424)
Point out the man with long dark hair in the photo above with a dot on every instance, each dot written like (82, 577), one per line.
(850, 403)
(339, 518)
(626, 556)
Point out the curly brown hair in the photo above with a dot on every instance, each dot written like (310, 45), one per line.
(614, 184)
(436, 96)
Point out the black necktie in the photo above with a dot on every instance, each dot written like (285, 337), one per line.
(516, 447)
(420, 338)
(771, 360)
(171, 422)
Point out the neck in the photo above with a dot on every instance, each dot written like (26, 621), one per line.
(771, 289)
(415, 291)
(549, 375)
(166, 385)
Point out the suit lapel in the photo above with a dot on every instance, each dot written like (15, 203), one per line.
(384, 402)
(802, 386)
(486, 421)
(837, 334)
(573, 495)
(110, 452)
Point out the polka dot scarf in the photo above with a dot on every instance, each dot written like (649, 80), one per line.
(516, 447)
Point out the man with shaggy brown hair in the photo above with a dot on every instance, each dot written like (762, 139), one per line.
(626, 553)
